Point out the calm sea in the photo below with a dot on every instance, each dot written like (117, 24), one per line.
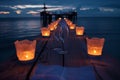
(22, 28)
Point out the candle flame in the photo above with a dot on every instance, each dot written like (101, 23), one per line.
(94, 51)
(26, 56)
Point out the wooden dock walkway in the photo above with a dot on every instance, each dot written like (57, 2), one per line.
(63, 56)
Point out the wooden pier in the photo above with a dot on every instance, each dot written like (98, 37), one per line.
(73, 63)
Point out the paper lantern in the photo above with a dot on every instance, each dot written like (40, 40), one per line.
(95, 46)
(79, 30)
(51, 27)
(68, 22)
(45, 32)
(25, 49)
(55, 24)
(72, 26)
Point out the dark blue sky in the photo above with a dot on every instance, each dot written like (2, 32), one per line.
(31, 8)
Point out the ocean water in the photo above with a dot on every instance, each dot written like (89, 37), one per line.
(104, 27)
(16, 29)
(22, 28)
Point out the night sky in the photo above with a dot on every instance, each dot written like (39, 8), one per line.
(85, 8)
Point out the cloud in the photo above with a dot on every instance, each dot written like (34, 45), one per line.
(84, 8)
(18, 11)
(33, 12)
(53, 9)
(106, 9)
(4, 12)
(28, 7)
(25, 6)
(89, 9)
(101, 9)
(98, 11)
(34, 6)
(32, 9)
(40, 7)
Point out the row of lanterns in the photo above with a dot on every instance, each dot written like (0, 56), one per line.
(79, 30)
(94, 45)
(25, 49)
(51, 27)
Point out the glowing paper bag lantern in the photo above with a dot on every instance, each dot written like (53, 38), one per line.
(72, 26)
(79, 30)
(55, 24)
(68, 22)
(25, 49)
(51, 27)
(45, 32)
(95, 46)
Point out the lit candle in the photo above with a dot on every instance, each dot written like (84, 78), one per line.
(95, 46)
(94, 51)
(27, 55)
(79, 30)
(72, 26)
(45, 32)
(51, 27)
(25, 50)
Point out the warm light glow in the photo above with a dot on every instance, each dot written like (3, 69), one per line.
(95, 46)
(72, 26)
(94, 51)
(60, 18)
(79, 30)
(64, 18)
(69, 22)
(27, 55)
(4, 12)
(33, 12)
(51, 27)
(45, 32)
(18, 12)
(25, 50)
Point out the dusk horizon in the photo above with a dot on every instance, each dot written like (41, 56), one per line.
(84, 8)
